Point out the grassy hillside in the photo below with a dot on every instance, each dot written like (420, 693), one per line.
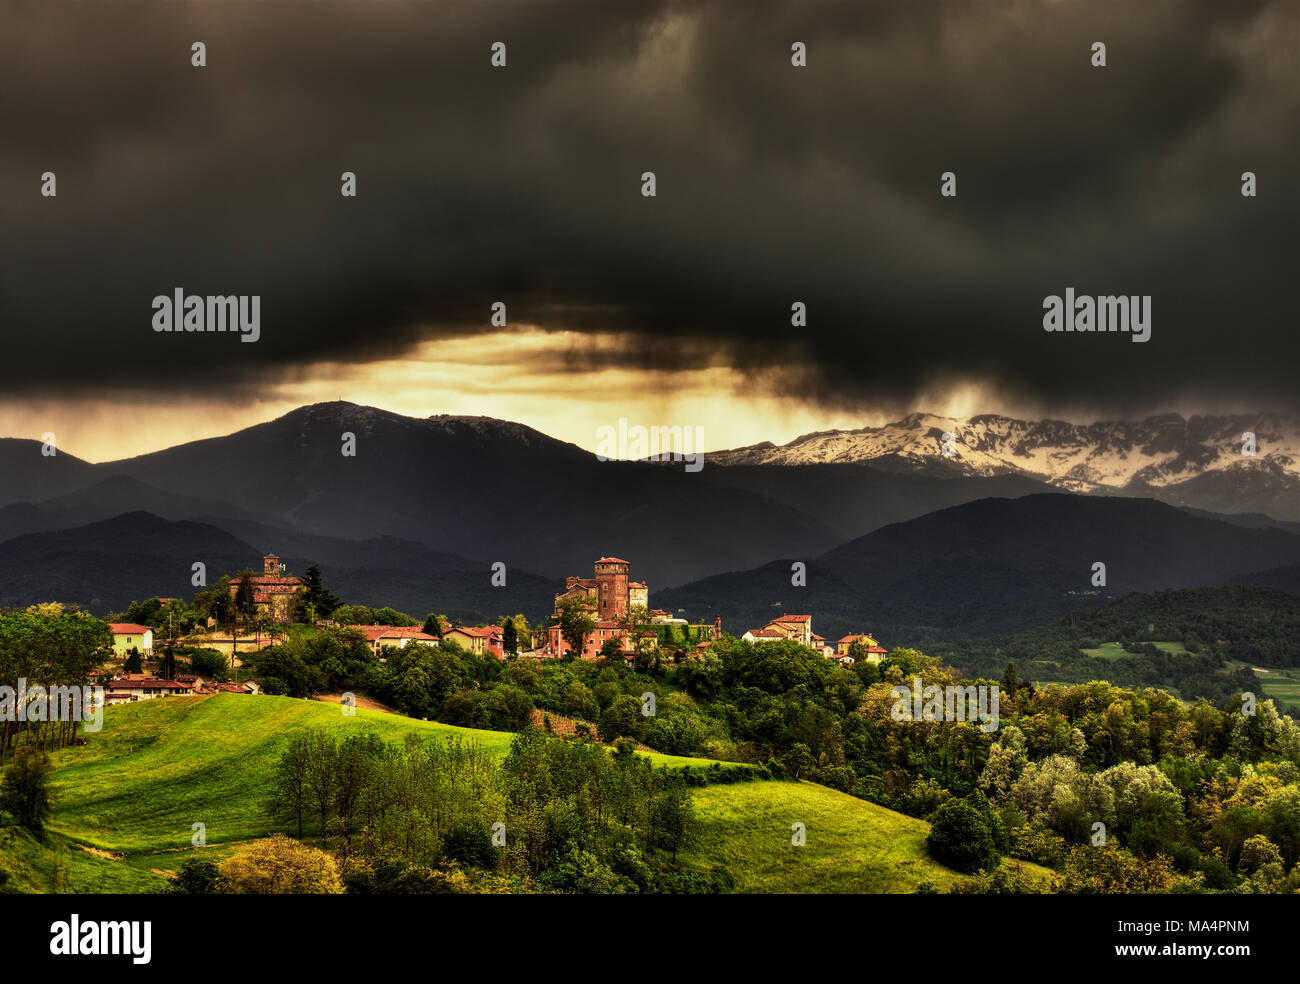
(851, 845)
(127, 801)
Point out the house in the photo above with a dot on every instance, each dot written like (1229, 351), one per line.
(763, 635)
(127, 687)
(638, 593)
(128, 636)
(797, 627)
(605, 630)
(875, 651)
(827, 649)
(397, 636)
(482, 640)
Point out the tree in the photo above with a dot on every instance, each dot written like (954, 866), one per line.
(633, 622)
(290, 796)
(621, 719)
(320, 601)
(509, 637)
(509, 706)
(133, 663)
(1257, 852)
(279, 865)
(672, 818)
(576, 624)
(197, 877)
(209, 663)
(25, 789)
(391, 616)
(961, 839)
(216, 602)
(434, 625)
(245, 596)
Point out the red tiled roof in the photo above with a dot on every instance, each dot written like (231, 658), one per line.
(489, 632)
(793, 618)
(137, 682)
(872, 645)
(373, 632)
(611, 560)
(765, 634)
(128, 628)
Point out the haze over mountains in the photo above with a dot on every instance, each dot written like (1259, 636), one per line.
(416, 518)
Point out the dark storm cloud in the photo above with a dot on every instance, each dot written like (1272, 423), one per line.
(775, 184)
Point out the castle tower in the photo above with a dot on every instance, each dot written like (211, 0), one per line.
(611, 587)
(271, 565)
(717, 626)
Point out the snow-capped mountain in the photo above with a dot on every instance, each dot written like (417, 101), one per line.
(1156, 453)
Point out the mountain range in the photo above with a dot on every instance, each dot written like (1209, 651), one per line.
(417, 516)
(1197, 461)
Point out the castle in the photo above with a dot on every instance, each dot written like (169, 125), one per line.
(274, 592)
(608, 596)
(610, 593)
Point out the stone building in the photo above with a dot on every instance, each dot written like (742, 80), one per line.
(275, 593)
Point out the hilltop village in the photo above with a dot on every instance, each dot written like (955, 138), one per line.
(607, 615)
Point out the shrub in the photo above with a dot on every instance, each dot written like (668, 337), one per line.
(279, 865)
(961, 839)
(197, 877)
(471, 844)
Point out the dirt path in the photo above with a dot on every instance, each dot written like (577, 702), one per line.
(366, 702)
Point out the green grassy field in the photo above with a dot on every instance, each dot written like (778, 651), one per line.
(1283, 685)
(1109, 650)
(127, 800)
(1113, 650)
(851, 845)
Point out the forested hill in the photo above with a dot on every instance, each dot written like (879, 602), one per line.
(1201, 633)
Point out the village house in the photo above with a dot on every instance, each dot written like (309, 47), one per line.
(128, 636)
(397, 636)
(127, 687)
(827, 649)
(875, 651)
(796, 627)
(480, 640)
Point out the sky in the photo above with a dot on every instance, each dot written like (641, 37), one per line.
(522, 185)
